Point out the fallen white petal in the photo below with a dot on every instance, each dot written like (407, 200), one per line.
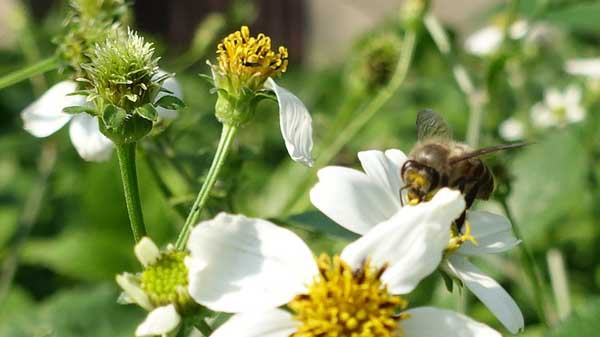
(384, 168)
(87, 139)
(492, 232)
(352, 199)
(159, 321)
(295, 123)
(410, 243)
(146, 251)
(247, 264)
(433, 322)
(269, 323)
(131, 287)
(489, 292)
(45, 116)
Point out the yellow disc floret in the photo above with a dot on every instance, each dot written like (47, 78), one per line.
(347, 303)
(248, 61)
(166, 280)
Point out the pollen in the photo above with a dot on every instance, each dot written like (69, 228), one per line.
(166, 280)
(457, 238)
(250, 60)
(342, 302)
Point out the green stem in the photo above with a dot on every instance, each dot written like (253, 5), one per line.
(531, 270)
(41, 67)
(126, 154)
(227, 135)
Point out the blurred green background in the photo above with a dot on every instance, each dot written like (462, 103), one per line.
(64, 230)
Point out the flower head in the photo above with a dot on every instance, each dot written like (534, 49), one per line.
(511, 129)
(558, 108)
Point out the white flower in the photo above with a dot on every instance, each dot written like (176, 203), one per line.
(558, 108)
(45, 116)
(589, 67)
(160, 289)
(511, 129)
(361, 201)
(487, 40)
(251, 267)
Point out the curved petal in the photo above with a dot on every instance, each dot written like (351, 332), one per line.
(295, 123)
(352, 199)
(87, 139)
(411, 243)
(131, 286)
(269, 323)
(247, 264)
(45, 116)
(433, 322)
(173, 86)
(492, 232)
(384, 168)
(488, 291)
(159, 321)
(146, 251)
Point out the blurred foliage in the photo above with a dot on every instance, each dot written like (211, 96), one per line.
(64, 284)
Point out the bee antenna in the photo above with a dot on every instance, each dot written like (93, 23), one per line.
(487, 150)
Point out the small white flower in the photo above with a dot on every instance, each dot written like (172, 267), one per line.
(487, 40)
(558, 108)
(511, 129)
(251, 267)
(361, 202)
(589, 67)
(45, 116)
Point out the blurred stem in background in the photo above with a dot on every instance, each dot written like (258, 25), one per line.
(559, 281)
(127, 165)
(41, 67)
(227, 135)
(29, 215)
(361, 118)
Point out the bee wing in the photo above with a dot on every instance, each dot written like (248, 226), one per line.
(487, 150)
(430, 124)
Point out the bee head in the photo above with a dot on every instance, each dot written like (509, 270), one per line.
(420, 181)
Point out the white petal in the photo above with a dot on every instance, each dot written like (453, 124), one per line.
(572, 95)
(45, 116)
(586, 67)
(295, 122)
(384, 168)
(488, 291)
(554, 99)
(433, 322)
(411, 243)
(270, 323)
(352, 199)
(575, 114)
(485, 41)
(146, 251)
(159, 321)
(172, 85)
(87, 139)
(518, 29)
(247, 264)
(132, 289)
(492, 232)
(511, 129)
(542, 117)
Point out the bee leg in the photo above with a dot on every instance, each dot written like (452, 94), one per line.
(461, 221)
(471, 195)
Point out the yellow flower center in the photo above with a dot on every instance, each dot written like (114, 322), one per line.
(166, 280)
(248, 60)
(347, 303)
(457, 238)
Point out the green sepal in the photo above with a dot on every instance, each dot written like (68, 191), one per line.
(80, 93)
(114, 117)
(207, 78)
(131, 129)
(73, 110)
(170, 102)
(148, 112)
(448, 280)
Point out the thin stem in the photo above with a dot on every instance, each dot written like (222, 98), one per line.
(473, 96)
(531, 270)
(41, 67)
(227, 135)
(126, 154)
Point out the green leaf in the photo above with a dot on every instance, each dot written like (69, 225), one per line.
(114, 117)
(579, 16)
(170, 102)
(147, 111)
(583, 322)
(79, 109)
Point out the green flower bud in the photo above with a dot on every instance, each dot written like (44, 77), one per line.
(413, 13)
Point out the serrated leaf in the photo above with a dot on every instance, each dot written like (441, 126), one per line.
(114, 117)
(170, 102)
(79, 109)
(148, 112)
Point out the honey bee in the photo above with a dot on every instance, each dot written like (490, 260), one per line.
(438, 161)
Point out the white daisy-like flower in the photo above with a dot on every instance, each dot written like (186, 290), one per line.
(160, 289)
(45, 116)
(487, 40)
(588, 67)
(361, 201)
(252, 267)
(558, 108)
(511, 129)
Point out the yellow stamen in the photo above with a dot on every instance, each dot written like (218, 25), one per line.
(457, 238)
(346, 302)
